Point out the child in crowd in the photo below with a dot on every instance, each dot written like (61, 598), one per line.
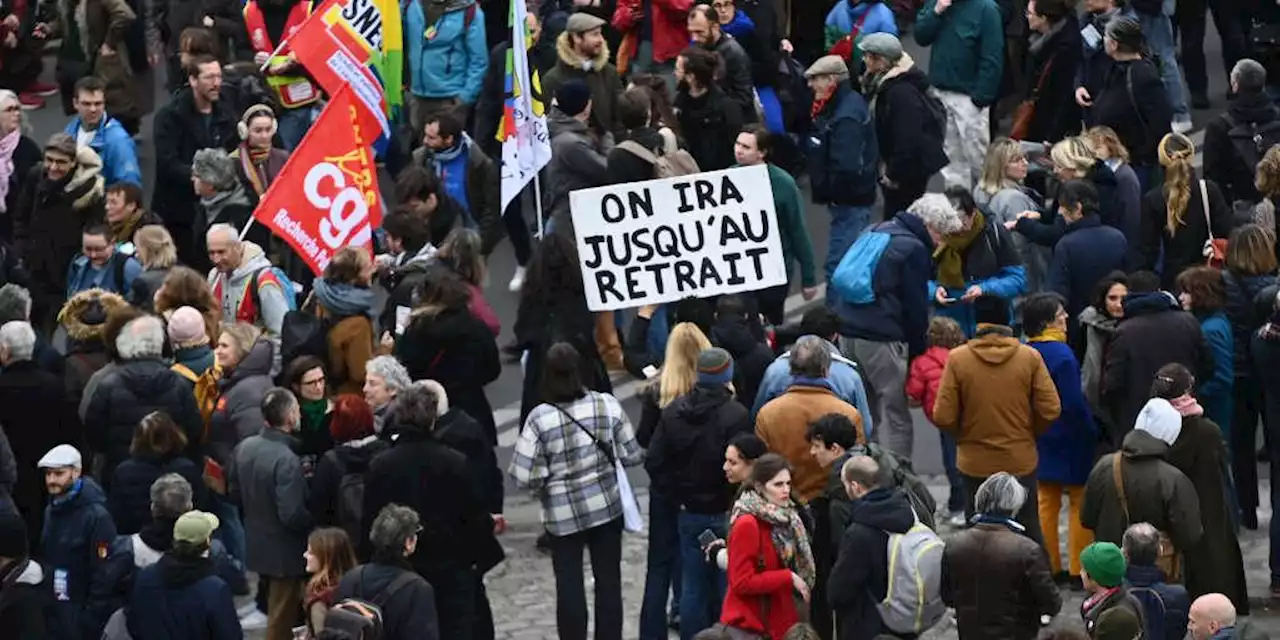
(922, 388)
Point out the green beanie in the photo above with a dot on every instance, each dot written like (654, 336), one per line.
(1104, 562)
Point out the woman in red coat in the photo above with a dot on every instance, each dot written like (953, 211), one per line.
(771, 567)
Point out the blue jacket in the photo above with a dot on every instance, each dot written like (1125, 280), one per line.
(114, 145)
(845, 381)
(991, 262)
(82, 276)
(842, 150)
(1214, 392)
(130, 498)
(967, 54)
(181, 598)
(78, 532)
(844, 15)
(1148, 585)
(453, 62)
(1086, 253)
(1066, 449)
(900, 312)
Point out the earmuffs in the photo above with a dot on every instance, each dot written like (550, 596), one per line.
(242, 127)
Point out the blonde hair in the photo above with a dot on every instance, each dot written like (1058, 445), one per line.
(1075, 155)
(1000, 153)
(680, 364)
(243, 334)
(1106, 138)
(1176, 154)
(155, 247)
(1267, 178)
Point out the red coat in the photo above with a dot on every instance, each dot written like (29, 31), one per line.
(670, 24)
(749, 540)
(925, 376)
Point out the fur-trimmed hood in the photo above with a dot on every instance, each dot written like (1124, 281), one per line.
(87, 183)
(570, 58)
(71, 316)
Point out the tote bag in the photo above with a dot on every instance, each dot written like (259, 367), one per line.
(631, 519)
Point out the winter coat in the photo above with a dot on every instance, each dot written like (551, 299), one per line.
(1119, 616)
(710, 124)
(1185, 248)
(350, 342)
(130, 498)
(238, 413)
(130, 554)
(992, 262)
(1098, 330)
(857, 19)
(82, 275)
(1096, 63)
(751, 357)
(842, 151)
(462, 433)
(97, 23)
(24, 600)
(1004, 206)
(77, 533)
(1085, 254)
(49, 216)
(25, 157)
(1016, 586)
(967, 47)
(924, 376)
(1066, 449)
(126, 394)
(1127, 204)
(239, 304)
(1214, 563)
(602, 78)
(1156, 492)
(843, 376)
(688, 443)
(1114, 208)
(142, 292)
(577, 162)
(115, 147)
(182, 598)
(228, 22)
(403, 278)
(995, 399)
(450, 63)
(1222, 163)
(859, 579)
(458, 351)
(789, 205)
(1131, 100)
(1050, 68)
(781, 424)
(480, 187)
(668, 28)
(899, 313)
(1155, 332)
(1168, 602)
(198, 359)
(907, 130)
(1215, 390)
(756, 575)
(1246, 315)
(409, 614)
(351, 457)
(735, 77)
(624, 166)
(265, 479)
(180, 131)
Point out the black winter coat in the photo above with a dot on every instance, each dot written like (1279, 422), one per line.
(129, 392)
(24, 600)
(1222, 163)
(689, 442)
(77, 527)
(735, 77)
(25, 157)
(180, 131)
(323, 488)
(130, 498)
(458, 351)
(1050, 76)
(463, 434)
(182, 598)
(624, 166)
(751, 357)
(1132, 101)
(1247, 309)
(409, 614)
(909, 135)
(710, 124)
(1016, 586)
(860, 576)
(47, 221)
(1186, 247)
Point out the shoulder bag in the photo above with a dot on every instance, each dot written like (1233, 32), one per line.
(1168, 558)
(1026, 111)
(631, 518)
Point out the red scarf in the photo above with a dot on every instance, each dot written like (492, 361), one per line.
(819, 104)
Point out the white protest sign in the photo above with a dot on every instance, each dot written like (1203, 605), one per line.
(658, 241)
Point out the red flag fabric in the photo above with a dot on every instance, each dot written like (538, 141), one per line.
(334, 57)
(326, 196)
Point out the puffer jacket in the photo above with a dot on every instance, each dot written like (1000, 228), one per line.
(689, 444)
(238, 413)
(1016, 586)
(126, 394)
(1156, 492)
(924, 376)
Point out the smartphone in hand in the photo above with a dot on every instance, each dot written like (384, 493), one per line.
(706, 538)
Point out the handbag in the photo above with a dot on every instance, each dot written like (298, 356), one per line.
(631, 519)
(1215, 249)
(1168, 558)
(1026, 111)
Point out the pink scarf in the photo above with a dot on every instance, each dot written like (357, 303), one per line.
(1187, 406)
(8, 144)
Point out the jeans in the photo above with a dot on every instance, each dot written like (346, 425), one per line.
(605, 543)
(1192, 23)
(847, 223)
(1028, 516)
(659, 330)
(956, 500)
(702, 583)
(230, 528)
(662, 566)
(1159, 33)
(293, 125)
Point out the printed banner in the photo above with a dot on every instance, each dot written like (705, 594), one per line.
(326, 196)
(665, 240)
(526, 142)
(336, 56)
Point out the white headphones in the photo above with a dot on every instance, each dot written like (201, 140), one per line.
(242, 127)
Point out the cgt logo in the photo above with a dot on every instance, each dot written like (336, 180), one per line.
(347, 222)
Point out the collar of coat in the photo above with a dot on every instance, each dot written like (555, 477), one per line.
(571, 58)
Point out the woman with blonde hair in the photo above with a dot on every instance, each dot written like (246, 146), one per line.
(1175, 220)
(1074, 159)
(329, 556)
(1110, 151)
(1001, 193)
(155, 250)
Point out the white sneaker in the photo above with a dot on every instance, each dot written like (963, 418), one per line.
(517, 280)
(956, 520)
(255, 621)
(1180, 126)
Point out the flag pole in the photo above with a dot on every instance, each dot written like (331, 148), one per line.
(537, 202)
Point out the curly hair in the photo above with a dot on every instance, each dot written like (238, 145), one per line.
(184, 287)
(1267, 177)
(945, 332)
(1177, 152)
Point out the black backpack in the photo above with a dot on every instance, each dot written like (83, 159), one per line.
(1250, 140)
(351, 504)
(362, 619)
(304, 333)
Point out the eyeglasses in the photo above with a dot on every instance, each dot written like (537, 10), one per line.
(317, 381)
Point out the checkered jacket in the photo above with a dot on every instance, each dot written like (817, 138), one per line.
(561, 464)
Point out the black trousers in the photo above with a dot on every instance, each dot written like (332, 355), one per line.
(455, 590)
(1191, 22)
(1028, 516)
(605, 544)
(518, 231)
(1244, 438)
(901, 197)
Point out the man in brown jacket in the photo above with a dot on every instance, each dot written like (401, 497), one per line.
(995, 398)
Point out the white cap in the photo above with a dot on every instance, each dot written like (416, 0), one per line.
(1161, 420)
(59, 457)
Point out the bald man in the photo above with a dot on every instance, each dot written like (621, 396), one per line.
(1212, 617)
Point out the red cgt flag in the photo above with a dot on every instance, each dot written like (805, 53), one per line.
(326, 196)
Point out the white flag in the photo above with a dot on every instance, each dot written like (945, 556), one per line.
(526, 143)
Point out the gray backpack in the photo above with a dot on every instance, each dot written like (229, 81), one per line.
(668, 165)
(913, 596)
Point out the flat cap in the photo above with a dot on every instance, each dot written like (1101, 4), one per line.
(828, 66)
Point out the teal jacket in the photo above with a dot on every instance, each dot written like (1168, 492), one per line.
(967, 43)
(789, 205)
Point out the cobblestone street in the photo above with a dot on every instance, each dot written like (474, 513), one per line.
(522, 589)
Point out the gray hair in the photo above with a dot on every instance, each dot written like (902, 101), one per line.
(15, 303)
(231, 232)
(170, 496)
(1249, 76)
(442, 397)
(811, 357)
(1141, 544)
(141, 338)
(1000, 495)
(394, 525)
(215, 168)
(23, 124)
(19, 339)
(393, 374)
(936, 212)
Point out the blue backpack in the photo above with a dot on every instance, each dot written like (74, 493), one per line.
(854, 279)
(286, 287)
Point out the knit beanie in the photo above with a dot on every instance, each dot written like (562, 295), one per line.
(572, 97)
(1160, 419)
(186, 328)
(1104, 563)
(715, 367)
(214, 168)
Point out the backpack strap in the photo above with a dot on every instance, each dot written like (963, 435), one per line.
(403, 580)
(636, 149)
(1117, 473)
(184, 371)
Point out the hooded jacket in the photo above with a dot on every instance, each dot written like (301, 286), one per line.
(751, 357)
(782, 422)
(1156, 492)
(350, 338)
(24, 600)
(131, 553)
(116, 148)
(77, 535)
(238, 413)
(127, 393)
(599, 75)
(966, 46)
(400, 281)
(1222, 163)
(688, 447)
(860, 576)
(577, 162)
(925, 375)
(450, 63)
(1016, 586)
(842, 150)
(909, 135)
(180, 597)
(49, 216)
(995, 399)
(1163, 604)
(844, 377)
(130, 498)
(232, 292)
